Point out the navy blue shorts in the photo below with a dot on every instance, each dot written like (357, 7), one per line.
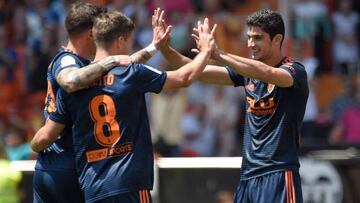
(141, 196)
(277, 187)
(56, 186)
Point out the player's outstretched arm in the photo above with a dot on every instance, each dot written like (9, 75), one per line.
(46, 135)
(212, 74)
(185, 75)
(256, 69)
(172, 56)
(73, 78)
(217, 75)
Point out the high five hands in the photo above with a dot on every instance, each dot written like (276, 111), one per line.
(196, 36)
(204, 38)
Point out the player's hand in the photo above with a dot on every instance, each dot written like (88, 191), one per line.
(215, 49)
(123, 60)
(161, 32)
(204, 38)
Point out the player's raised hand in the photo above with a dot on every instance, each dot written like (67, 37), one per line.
(196, 36)
(161, 32)
(204, 37)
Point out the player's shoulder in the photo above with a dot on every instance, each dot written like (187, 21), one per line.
(288, 61)
(142, 67)
(134, 70)
(121, 69)
(64, 53)
(65, 58)
(293, 65)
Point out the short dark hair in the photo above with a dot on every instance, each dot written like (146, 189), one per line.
(269, 21)
(81, 17)
(110, 26)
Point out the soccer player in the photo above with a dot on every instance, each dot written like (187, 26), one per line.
(276, 94)
(110, 127)
(55, 178)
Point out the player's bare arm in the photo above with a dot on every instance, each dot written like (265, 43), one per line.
(251, 68)
(73, 78)
(217, 75)
(172, 56)
(186, 74)
(46, 136)
(256, 69)
(212, 74)
(160, 35)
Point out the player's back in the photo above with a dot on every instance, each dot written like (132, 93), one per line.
(59, 156)
(57, 163)
(111, 132)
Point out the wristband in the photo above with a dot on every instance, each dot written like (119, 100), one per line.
(151, 49)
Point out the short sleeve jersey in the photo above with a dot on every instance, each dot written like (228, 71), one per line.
(111, 133)
(59, 156)
(273, 121)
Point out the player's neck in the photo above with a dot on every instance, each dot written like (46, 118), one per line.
(105, 52)
(77, 48)
(275, 59)
(102, 53)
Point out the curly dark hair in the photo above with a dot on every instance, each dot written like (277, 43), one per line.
(269, 21)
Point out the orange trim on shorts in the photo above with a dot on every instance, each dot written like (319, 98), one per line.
(290, 189)
(147, 196)
(144, 196)
(140, 197)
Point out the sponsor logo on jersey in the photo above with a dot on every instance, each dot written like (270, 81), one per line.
(101, 154)
(261, 107)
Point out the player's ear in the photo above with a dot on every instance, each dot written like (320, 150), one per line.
(90, 34)
(277, 39)
(120, 41)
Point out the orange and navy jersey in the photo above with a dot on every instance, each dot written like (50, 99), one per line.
(273, 121)
(59, 156)
(111, 132)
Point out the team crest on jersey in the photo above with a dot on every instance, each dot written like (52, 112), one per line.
(270, 87)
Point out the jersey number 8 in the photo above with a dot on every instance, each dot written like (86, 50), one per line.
(106, 127)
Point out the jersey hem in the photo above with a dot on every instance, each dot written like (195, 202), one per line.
(268, 171)
(110, 194)
(55, 169)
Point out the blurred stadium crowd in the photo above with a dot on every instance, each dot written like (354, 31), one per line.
(201, 120)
